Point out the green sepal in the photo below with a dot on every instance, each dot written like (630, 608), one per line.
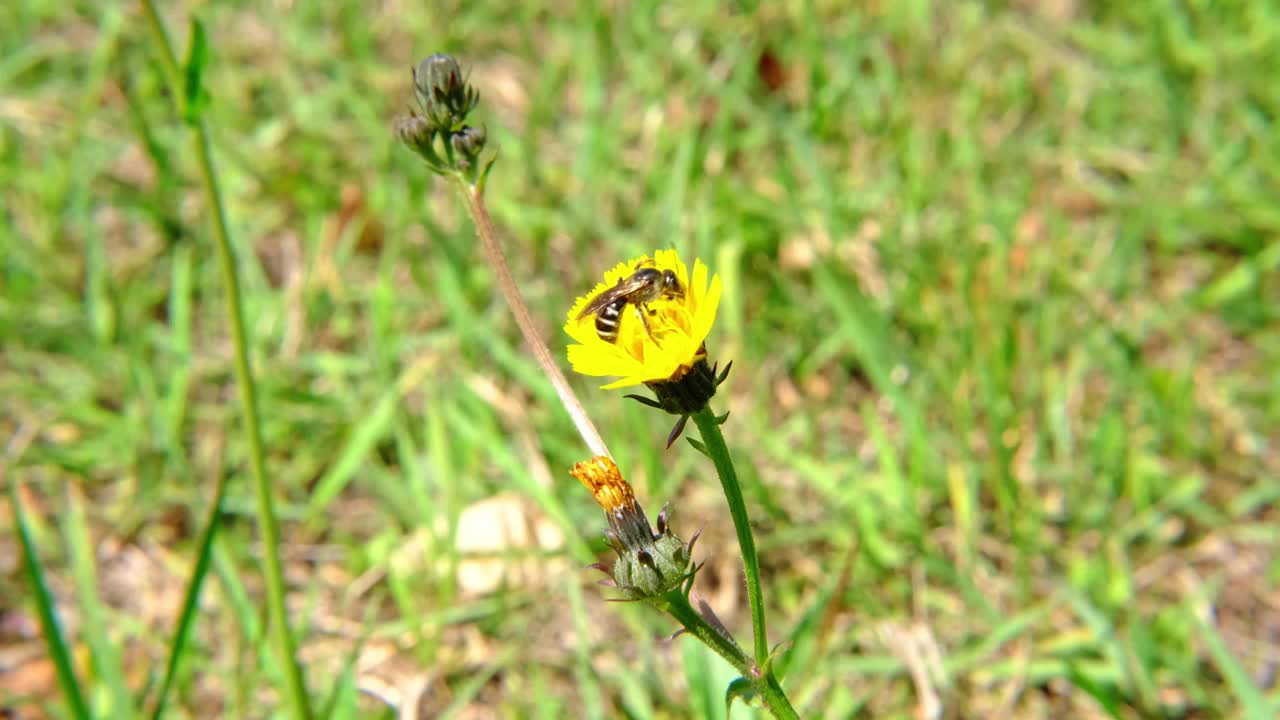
(645, 401)
(675, 431)
(724, 375)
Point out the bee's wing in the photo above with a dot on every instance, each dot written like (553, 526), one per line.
(624, 288)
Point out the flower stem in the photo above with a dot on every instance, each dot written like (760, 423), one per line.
(295, 691)
(676, 604)
(474, 197)
(712, 438)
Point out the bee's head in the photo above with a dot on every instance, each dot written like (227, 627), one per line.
(671, 284)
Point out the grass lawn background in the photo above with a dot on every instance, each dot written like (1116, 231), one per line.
(1002, 293)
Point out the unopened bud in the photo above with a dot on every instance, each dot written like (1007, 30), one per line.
(469, 143)
(414, 131)
(444, 96)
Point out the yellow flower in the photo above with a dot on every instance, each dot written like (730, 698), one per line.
(679, 327)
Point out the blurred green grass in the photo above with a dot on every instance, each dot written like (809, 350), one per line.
(1003, 300)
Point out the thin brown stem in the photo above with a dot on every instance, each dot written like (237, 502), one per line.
(519, 309)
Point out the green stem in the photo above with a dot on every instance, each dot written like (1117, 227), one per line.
(295, 688)
(676, 604)
(713, 440)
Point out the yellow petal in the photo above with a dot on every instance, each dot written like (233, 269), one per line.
(599, 361)
(584, 330)
(706, 315)
(698, 287)
(624, 382)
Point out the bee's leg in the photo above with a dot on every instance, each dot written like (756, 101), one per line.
(643, 310)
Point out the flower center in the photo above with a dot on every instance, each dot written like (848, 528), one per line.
(669, 321)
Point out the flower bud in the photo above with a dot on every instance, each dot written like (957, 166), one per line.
(444, 96)
(468, 143)
(414, 131)
(437, 77)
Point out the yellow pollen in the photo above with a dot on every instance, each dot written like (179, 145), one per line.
(601, 476)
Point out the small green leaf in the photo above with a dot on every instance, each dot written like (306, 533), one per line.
(771, 663)
(484, 174)
(739, 689)
(195, 98)
(697, 445)
(1253, 703)
(724, 375)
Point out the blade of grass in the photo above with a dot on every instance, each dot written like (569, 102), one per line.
(590, 697)
(704, 693)
(341, 702)
(249, 622)
(190, 600)
(471, 687)
(364, 436)
(106, 657)
(294, 691)
(54, 640)
(1106, 696)
(1252, 701)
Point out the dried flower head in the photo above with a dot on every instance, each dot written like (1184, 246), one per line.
(649, 563)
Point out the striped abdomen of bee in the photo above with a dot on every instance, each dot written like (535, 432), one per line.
(608, 318)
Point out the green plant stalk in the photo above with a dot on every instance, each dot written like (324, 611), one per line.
(676, 604)
(295, 688)
(713, 440)
(49, 626)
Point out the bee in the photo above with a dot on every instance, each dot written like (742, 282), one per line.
(644, 286)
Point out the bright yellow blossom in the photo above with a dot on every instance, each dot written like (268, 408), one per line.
(679, 327)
